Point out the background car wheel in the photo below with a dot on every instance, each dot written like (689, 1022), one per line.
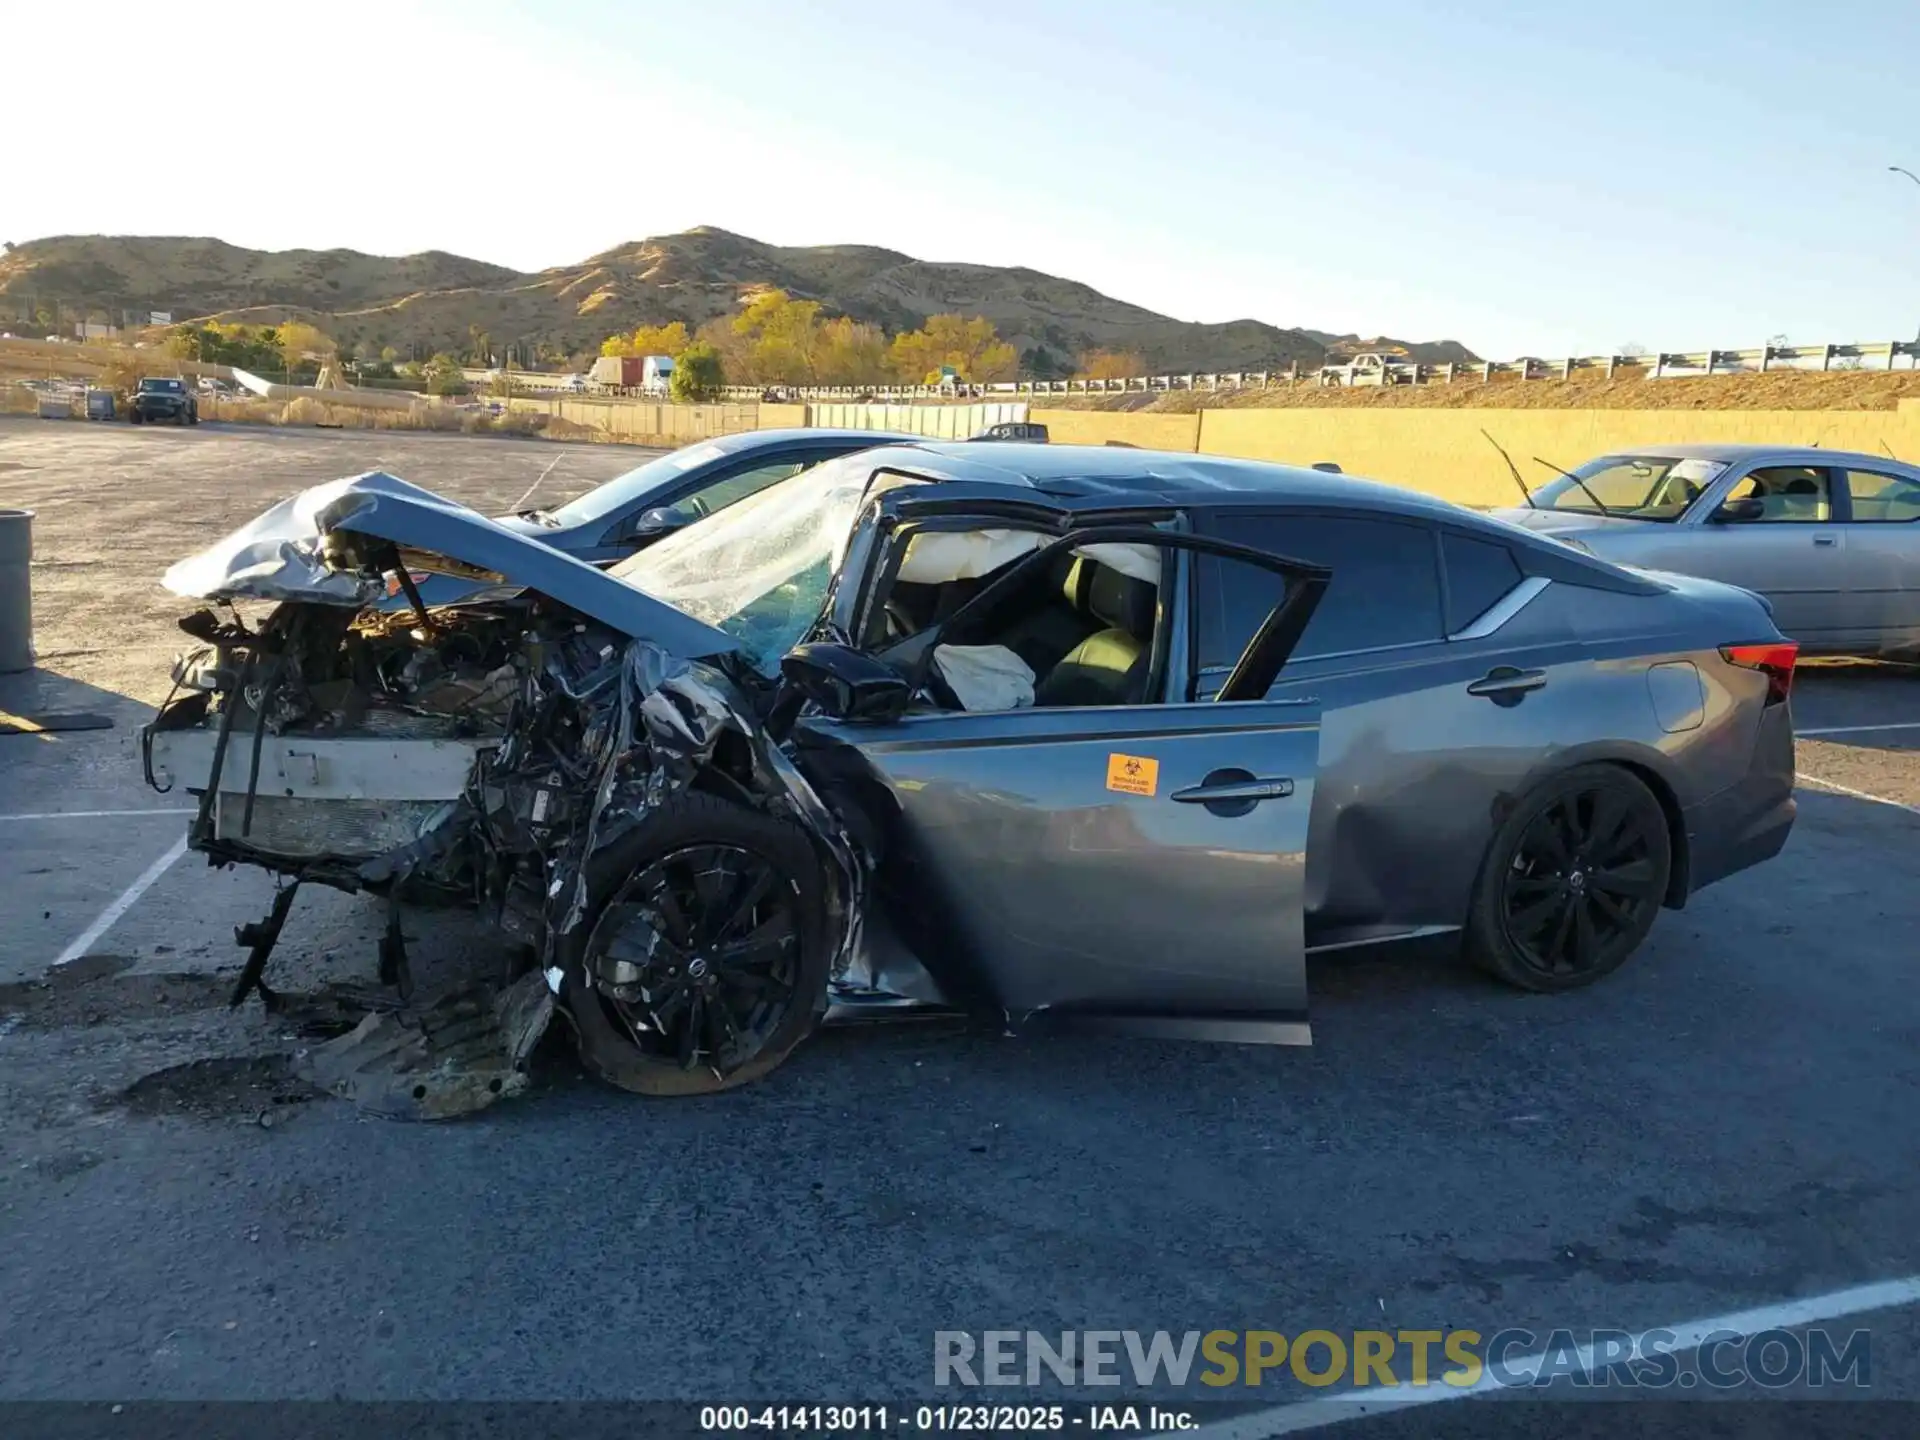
(703, 961)
(135, 416)
(1572, 881)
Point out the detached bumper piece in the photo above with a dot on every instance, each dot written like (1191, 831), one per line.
(460, 1053)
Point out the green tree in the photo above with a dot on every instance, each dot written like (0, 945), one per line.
(444, 377)
(698, 374)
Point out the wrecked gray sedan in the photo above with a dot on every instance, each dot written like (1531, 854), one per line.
(1043, 732)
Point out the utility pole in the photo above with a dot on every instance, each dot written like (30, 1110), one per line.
(1902, 170)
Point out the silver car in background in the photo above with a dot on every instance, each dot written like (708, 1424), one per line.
(1830, 538)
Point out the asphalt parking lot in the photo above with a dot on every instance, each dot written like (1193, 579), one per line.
(1728, 1123)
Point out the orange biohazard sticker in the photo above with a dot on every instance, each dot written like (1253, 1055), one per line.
(1132, 774)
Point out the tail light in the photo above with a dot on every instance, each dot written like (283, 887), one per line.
(1775, 658)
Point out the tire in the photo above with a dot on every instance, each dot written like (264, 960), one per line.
(1572, 881)
(677, 843)
(136, 417)
(193, 416)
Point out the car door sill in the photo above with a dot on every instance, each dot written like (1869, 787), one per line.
(1219, 1029)
(1390, 937)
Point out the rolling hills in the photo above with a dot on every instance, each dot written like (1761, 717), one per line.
(436, 300)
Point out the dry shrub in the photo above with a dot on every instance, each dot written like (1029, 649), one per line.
(305, 410)
(18, 400)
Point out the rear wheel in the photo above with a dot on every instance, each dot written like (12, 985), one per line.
(704, 958)
(1572, 882)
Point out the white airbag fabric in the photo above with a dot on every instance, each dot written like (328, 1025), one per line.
(985, 677)
(934, 556)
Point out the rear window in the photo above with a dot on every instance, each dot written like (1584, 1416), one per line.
(1385, 588)
(1479, 572)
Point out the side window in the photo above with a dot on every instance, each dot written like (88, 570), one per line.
(1385, 588)
(1790, 494)
(735, 488)
(1879, 498)
(1479, 572)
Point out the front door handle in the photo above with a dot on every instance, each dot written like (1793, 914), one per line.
(1508, 685)
(1823, 540)
(1250, 789)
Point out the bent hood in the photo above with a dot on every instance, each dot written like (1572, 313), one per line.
(278, 556)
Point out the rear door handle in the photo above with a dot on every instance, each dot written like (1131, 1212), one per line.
(1506, 681)
(1825, 540)
(1248, 789)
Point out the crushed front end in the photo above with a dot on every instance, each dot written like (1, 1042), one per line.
(494, 755)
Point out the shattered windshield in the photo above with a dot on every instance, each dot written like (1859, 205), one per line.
(1634, 487)
(759, 569)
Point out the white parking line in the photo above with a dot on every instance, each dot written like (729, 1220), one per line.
(104, 921)
(89, 814)
(1859, 729)
(1327, 1410)
(1837, 787)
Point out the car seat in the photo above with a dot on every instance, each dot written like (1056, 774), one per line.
(1108, 667)
(1800, 499)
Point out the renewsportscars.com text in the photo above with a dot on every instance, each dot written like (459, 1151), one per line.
(1518, 1358)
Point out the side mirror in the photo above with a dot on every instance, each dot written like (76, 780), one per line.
(660, 520)
(1735, 512)
(846, 683)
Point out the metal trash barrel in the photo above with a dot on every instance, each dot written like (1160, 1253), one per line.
(16, 591)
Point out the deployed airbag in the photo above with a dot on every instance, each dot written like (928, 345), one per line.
(985, 677)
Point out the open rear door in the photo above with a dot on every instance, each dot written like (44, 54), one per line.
(1134, 865)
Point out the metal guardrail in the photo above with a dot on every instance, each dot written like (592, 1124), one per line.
(1657, 365)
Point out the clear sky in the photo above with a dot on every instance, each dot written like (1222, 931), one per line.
(1538, 177)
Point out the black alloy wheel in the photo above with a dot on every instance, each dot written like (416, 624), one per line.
(707, 960)
(1575, 879)
(698, 956)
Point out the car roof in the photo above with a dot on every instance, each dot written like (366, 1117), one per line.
(1747, 454)
(1100, 476)
(746, 440)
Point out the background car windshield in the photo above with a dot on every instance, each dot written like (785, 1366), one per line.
(1637, 487)
(173, 385)
(759, 570)
(603, 500)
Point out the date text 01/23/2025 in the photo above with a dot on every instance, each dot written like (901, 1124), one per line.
(968, 1419)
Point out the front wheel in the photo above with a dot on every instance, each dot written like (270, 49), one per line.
(704, 957)
(1572, 881)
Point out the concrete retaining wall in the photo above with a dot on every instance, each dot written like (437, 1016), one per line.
(1443, 452)
(644, 420)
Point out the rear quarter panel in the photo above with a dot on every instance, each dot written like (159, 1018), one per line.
(1416, 774)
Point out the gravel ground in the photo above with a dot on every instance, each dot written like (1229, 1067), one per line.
(115, 505)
